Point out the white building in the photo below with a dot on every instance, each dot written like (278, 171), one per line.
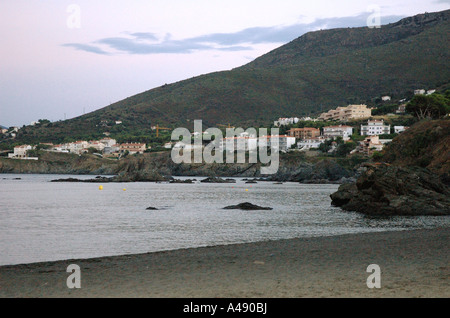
(108, 142)
(399, 129)
(419, 92)
(77, 147)
(338, 131)
(280, 143)
(251, 143)
(310, 143)
(60, 148)
(375, 127)
(307, 119)
(431, 91)
(386, 98)
(286, 121)
(245, 143)
(99, 146)
(369, 145)
(114, 149)
(401, 109)
(133, 148)
(20, 151)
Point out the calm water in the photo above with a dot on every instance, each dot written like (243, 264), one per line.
(44, 221)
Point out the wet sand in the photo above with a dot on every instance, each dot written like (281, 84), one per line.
(413, 264)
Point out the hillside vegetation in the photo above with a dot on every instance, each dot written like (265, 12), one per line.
(426, 145)
(315, 72)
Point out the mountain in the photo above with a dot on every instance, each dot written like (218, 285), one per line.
(315, 72)
(3, 127)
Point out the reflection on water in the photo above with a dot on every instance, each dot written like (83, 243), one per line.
(44, 221)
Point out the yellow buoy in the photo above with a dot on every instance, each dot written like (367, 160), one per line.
(100, 187)
(124, 189)
(246, 189)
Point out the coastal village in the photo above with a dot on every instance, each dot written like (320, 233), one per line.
(315, 170)
(341, 130)
(295, 139)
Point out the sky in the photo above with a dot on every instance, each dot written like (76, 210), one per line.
(60, 59)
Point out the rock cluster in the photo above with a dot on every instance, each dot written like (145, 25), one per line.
(392, 190)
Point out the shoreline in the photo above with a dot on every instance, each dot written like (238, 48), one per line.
(414, 263)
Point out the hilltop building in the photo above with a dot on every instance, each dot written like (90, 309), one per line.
(401, 109)
(285, 121)
(338, 131)
(251, 143)
(375, 127)
(310, 143)
(108, 142)
(133, 148)
(347, 113)
(400, 129)
(304, 133)
(419, 92)
(371, 144)
(20, 152)
(283, 144)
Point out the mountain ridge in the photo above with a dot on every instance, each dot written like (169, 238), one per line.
(318, 71)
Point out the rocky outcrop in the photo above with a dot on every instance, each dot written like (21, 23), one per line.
(217, 180)
(187, 181)
(138, 176)
(247, 207)
(393, 190)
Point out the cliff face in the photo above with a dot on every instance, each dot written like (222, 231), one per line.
(414, 181)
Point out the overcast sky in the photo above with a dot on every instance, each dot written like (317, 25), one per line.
(63, 58)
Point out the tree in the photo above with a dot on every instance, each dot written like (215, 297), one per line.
(429, 106)
(344, 149)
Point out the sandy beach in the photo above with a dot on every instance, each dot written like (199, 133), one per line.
(413, 264)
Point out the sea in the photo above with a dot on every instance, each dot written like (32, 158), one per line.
(44, 221)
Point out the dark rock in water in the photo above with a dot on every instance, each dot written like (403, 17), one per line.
(182, 181)
(278, 183)
(390, 190)
(17, 179)
(67, 180)
(140, 176)
(152, 209)
(251, 181)
(217, 180)
(246, 206)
